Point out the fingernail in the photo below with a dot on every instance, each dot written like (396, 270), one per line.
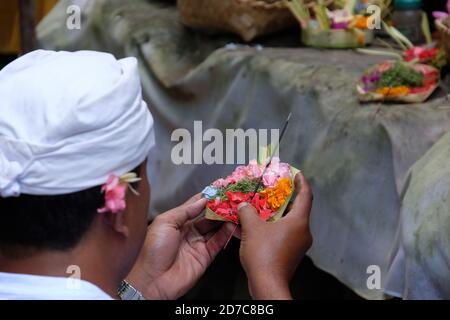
(242, 205)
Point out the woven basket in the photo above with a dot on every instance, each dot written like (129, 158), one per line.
(247, 18)
(444, 29)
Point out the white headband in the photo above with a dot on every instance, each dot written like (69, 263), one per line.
(69, 120)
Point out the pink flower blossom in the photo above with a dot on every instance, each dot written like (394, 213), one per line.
(114, 195)
(270, 178)
(275, 171)
(253, 169)
(440, 15)
(220, 183)
(238, 174)
(284, 170)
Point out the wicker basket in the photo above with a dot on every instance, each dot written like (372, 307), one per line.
(444, 29)
(247, 18)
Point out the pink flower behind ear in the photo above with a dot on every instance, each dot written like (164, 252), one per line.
(111, 183)
(114, 195)
(440, 15)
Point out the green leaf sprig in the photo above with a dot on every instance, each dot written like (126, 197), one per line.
(401, 74)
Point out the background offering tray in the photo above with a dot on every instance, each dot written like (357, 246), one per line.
(413, 95)
(337, 38)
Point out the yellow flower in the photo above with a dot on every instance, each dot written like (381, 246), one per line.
(277, 195)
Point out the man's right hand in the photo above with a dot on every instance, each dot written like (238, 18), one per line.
(270, 252)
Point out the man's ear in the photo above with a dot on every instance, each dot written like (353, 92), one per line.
(118, 223)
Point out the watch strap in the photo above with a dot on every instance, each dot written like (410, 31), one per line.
(128, 292)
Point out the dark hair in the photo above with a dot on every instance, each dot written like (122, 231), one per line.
(35, 223)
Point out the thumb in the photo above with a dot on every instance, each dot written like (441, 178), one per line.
(248, 215)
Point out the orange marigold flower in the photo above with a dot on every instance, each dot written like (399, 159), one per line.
(361, 22)
(277, 195)
(394, 91)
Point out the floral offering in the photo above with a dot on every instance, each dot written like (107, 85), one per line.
(421, 54)
(322, 16)
(398, 81)
(428, 53)
(274, 190)
(332, 24)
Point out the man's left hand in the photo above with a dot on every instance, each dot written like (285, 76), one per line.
(177, 251)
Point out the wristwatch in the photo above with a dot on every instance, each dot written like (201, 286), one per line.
(128, 292)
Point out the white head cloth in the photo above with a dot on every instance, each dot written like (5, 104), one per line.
(69, 120)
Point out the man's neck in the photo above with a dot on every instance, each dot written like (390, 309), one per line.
(61, 264)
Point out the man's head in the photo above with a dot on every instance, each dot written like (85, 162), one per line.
(73, 120)
(34, 224)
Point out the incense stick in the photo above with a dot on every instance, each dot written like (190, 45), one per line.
(283, 131)
(273, 154)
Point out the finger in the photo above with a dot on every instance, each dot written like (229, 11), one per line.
(181, 215)
(238, 233)
(248, 216)
(205, 226)
(193, 199)
(218, 240)
(298, 181)
(289, 207)
(210, 234)
(302, 205)
(195, 208)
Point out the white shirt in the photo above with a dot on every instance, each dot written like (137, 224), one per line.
(30, 287)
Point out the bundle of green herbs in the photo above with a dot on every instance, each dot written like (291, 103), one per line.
(401, 74)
